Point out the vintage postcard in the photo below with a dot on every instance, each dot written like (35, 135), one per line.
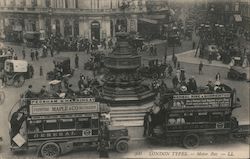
(124, 79)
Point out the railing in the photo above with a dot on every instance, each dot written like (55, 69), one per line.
(74, 10)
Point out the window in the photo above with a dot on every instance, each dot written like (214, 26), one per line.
(66, 4)
(47, 3)
(76, 3)
(202, 117)
(34, 3)
(94, 123)
(217, 117)
(189, 117)
(50, 125)
(35, 126)
(67, 124)
(83, 123)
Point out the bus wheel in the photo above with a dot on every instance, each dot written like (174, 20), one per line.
(191, 141)
(50, 150)
(122, 146)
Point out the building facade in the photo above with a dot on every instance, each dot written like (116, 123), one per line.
(224, 11)
(245, 13)
(71, 18)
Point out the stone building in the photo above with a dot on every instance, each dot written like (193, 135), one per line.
(72, 18)
(245, 12)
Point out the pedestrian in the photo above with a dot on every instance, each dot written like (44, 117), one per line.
(217, 77)
(155, 50)
(37, 54)
(81, 84)
(175, 82)
(41, 71)
(147, 119)
(200, 67)
(182, 76)
(51, 51)
(174, 59)
(210, 57)
(29, 93)
(178, 65)
(151, 50)
(32, 55)
(76, 61)
(170, 70)
(192, 85)
(3, 79)
(178, 74)
(43, 92)
(210, 85)
(23, 53)
(15, 57)
(104, 43)
(193, 45)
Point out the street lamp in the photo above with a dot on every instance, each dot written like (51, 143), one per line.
(166, 49)
(50, 12)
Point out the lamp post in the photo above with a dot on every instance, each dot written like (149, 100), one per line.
(166, 53)
(50, 12)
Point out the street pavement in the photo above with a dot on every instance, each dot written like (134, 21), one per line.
(138, 147)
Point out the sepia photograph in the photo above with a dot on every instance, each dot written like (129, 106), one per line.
(125, 79)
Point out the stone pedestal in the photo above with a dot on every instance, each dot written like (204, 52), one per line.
(122, 84)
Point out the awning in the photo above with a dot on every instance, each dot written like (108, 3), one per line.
(149, 20)
(237, 18)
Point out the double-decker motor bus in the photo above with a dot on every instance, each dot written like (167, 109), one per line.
(189, 118)
(57, 126)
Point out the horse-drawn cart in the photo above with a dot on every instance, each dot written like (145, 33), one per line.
(239, 73)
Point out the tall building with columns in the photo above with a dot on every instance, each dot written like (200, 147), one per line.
(72, 18)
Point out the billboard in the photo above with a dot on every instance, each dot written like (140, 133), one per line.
(202, 100)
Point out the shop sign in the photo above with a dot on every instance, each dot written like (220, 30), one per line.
(72, 108)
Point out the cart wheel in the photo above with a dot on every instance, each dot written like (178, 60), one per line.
(50, 150)
(19, 81)
(235, 76)
(122, 146)
(155, 75)
(191, 141)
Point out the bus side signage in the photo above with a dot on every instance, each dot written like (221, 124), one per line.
(49, 101)
(46, 109)
(43, 135)
(202, 100)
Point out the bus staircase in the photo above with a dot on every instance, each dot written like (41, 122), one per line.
(129, 115)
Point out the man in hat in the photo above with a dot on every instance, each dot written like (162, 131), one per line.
(43, 92)
(192, 86)
(29, 93)
(200, 67)
(210, 85)
(70, 93)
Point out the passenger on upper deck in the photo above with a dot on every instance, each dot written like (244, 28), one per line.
(191, 85)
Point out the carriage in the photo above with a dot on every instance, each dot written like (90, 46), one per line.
(152, 68)
(239, 73)
(16, 71)
(62, 63)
